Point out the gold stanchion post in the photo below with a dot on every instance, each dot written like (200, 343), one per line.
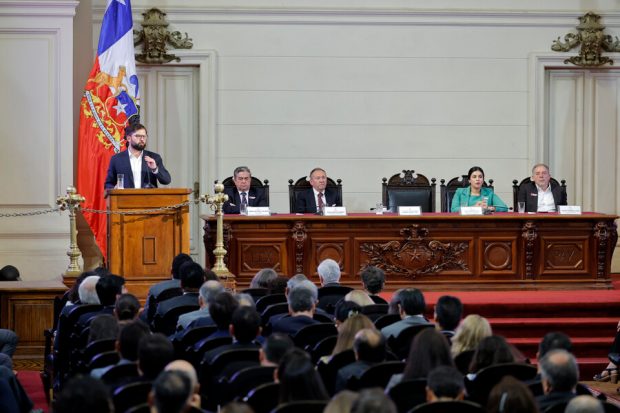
(72, 202)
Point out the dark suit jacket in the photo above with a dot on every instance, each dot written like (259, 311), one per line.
(354, 369)
(185, 299)
(291, 325)
(305, 202)
(87, 318)
(547, 400)
(529, 194)
(119, 164)
(148, 312)
(255, 199)
(211, 354)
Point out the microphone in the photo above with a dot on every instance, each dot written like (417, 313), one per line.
(148, 183)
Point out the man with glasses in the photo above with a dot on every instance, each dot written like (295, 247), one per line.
(243, 193)
(140, 168)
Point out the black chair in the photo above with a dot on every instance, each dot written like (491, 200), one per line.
(516, 186)
(302, 184)
(329, 371)
(463, 360)
(256, 183)
(107, 358)
(478, 389)
(401, 344)
(131, 395)
(556, 408)
(266, 300)
(409, 189)
(323, 347)
(256, 293)
(141, 408)
(245, 380)
(378, 299)
(196, 352)
(330, 295)
(154, 300)
(303, 406)
(374, 311)
(386, 320)
(460, 406)
(377, 375)
(408, 394)
(610, 408)
(263, 398)
(187, 338)
(94, 348)
(447, 190)
(120, 373)
(307, 337)
(167, 323)
(271, 310)
(322, 318)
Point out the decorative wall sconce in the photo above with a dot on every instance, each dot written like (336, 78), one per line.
(592, 40)
(155, 37)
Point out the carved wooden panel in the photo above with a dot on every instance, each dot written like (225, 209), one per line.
(336, 248)
(561, 254)
(256, 255)
(498, 256)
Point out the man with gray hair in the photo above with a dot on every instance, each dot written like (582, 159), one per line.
(87, 290)
(243, 193)
(331, 291)
(207, 292)
(301, 307)
(329, 272)
(584, 404)
(560, 374)
(541, 194)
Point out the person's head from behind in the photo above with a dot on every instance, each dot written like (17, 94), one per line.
(584, 404)
(559, 371)
(245, 300)
(103, 327)
(411, 302)
(176, 265)
(298, 378)
(373, 279)
(208, 291)
(242, 178)
(155, 351)
(129, 339)
(276, 345)
(127, 307)
(492, 350)
(344, 310)
(348, 329)
(294, 281)
(88, 290)
(192, 276)
(448, 312)
(444, 383)
(190, 371)
(278, 285)
(394, 304)
(301, 300)
(329, 271)
(84, 394)
(359, 297)
(9, 273)
(245, 324)
(342, 402)
(263, 278)
(373, 400)
(171, 392)
(511, 396)
(108, 287)
(429, 349)
(553, 341)
(470, 333)
(222, 309)
(369, 345)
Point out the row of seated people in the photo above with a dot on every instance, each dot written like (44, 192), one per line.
(540, 192)
(361, 354)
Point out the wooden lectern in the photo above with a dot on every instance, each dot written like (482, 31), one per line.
(141, 247)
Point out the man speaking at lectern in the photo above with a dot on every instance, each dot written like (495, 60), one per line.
(141, 168)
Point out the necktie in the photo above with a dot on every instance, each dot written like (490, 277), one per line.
(244, 200)
(321, 203)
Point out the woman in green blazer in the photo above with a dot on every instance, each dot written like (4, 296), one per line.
(476, 194)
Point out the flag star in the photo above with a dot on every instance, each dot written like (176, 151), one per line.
(120, 108)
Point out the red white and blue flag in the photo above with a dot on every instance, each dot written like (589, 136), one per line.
(109, 103)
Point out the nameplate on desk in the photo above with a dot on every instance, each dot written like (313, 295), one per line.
(569, 209)
(258, 211)
(471, 210)
(409, 210)
(335, 211)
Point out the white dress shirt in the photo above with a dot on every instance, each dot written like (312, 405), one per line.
(136, 168)
(546, 203)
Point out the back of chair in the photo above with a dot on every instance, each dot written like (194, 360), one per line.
(401, 344)
(380, 374)
(516, 186)
(374, 311)
(329, 371)
(120, 372)
(198, 350)
(167, 324)
(323, 347)
(263, 398)
(131, 395)
(256, 293)
(154, 300)
(460, 406)
(271, 310)
(330, 295)
(409, 189)
(256, 183)
(302, 406)
(94, 348)
(479, 388)
(307, 337)
(107, 358)
(247, 379)
(447, 190)
(302, 184)
(266, 300)
(189, 337)
(408, 394)
(463, 360)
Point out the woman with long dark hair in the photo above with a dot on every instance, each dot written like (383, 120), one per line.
(476, 194)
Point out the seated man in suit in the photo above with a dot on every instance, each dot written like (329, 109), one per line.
(411, 310)
(301, 307)
(560, 375)
(369, 348)
(244, 328)
(313, 199)
(243, 193)
(448, 313)
(444, 383)
(141, 168)
(541, 195)
(206, 295)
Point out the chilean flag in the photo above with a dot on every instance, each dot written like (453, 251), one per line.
(110, 102)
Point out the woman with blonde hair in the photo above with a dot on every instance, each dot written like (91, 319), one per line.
(359, 297)
(346, 334)
(470, 333)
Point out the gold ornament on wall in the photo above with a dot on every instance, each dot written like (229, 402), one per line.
(592, 40)
(155, 38)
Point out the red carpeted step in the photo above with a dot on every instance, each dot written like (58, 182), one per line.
(582, 346)
(538, 327)
(588, 366)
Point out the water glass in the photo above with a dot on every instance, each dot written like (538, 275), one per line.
(120, 181)
(243, 209)
(379, 209)
(521, 207)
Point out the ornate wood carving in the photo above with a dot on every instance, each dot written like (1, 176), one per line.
(257, 256)
(228, 236)
(602, 235)
(564, 255)
(497, 255)
(530, 235)
(299, 235)
(155, 38)
(333, 250)
(417, 254)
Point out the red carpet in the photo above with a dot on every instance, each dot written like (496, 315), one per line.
(33, 386)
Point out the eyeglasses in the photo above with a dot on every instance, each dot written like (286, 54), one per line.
(141, 136)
